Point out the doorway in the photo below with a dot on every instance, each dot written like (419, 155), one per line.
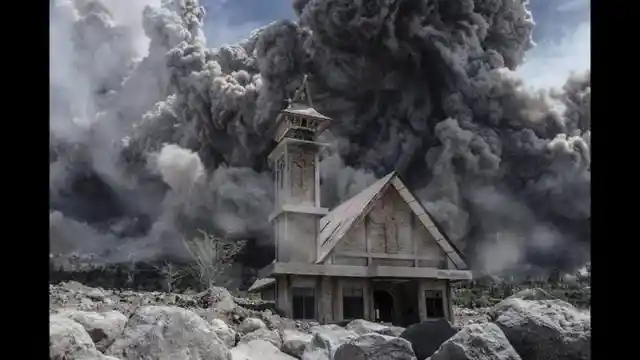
(383, 306)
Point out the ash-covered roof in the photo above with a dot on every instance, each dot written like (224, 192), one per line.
(260, 284)
(301, 109)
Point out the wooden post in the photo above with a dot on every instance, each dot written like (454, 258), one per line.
(422, 302)
(283, 295)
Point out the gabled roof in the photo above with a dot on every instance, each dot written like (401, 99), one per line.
(340, 220)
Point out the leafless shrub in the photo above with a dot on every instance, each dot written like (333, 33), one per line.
(171, 274)
(213, 256)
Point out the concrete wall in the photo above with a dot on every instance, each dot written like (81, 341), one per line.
(269, 294)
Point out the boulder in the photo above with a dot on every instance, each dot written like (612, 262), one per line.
(168, 333)
(325, 341)
(374, 346)
(216, 297)
(294, 342)
(224, 332)
(477, 341)
(103, 328)
(251, 324)
(272, 336)
(426, 337)
(258, 305)
(545, 329)
(258, 350)
(362, 327)
(68, 340)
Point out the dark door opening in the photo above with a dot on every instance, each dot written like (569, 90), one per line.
(383, 306)
(304, 303)
(435, 304)
(352, 303)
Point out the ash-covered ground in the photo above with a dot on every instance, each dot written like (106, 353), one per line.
(109, 324)
(155, 136)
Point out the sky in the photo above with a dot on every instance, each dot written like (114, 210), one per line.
(562, 33)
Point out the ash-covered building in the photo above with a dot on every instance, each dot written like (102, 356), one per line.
(378, 256)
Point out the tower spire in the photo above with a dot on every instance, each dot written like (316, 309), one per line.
(301, 96)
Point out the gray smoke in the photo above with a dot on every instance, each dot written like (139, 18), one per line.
(154, 135)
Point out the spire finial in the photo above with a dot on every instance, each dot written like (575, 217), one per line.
(302, 94)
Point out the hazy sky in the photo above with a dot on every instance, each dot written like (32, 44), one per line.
(563, 31)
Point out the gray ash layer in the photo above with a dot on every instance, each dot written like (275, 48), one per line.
(154, 135)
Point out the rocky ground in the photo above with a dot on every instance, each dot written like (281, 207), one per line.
(92, 323)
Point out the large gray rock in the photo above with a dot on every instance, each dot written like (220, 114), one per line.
(251, 324)
(477, 341)
(103, 328)
(272, 336)
(545, 329)
(258, 350)
(325, 341)
(224, 332)
(426, 337)
(68, 340)
(362, 327)
(294, 342)
(374, 346)
(168, 333)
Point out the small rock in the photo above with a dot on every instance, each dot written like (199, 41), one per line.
(258, 350)
(294, 342)
(251, 324)
(478, 341)
(96, 295)
(374, 346)
(272, 336)
(103, 328)
(86, 305)
(426, 337)
(218, 298)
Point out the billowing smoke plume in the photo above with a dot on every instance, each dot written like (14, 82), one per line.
(154, 135)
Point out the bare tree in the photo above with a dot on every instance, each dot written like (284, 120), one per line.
(213, 256)
(170, 274)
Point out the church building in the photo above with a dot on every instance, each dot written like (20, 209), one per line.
(379, 256)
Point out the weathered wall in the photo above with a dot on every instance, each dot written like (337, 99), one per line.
(302, 177)
(301, 237)
(426, 247)
(440, 285)
(296, 237)
(390, 228)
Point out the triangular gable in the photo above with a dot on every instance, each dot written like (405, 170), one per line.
(336, 223)
(339, 221)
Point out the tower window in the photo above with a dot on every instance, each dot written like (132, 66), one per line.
(304, 303)
(280, 173)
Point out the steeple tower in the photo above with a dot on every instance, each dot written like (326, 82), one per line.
(297, 180)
